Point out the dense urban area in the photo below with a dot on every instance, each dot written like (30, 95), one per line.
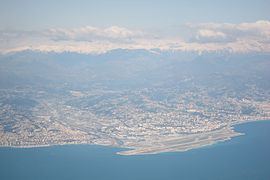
(146, 119)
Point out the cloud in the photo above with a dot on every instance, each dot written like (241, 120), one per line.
(206, 35)
(90, 33)
(210, 34)
(259, 31)
(241, 38)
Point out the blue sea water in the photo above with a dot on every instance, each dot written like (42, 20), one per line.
(242, 158)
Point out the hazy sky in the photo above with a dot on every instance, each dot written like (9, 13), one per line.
(97, 26)
(142, 14)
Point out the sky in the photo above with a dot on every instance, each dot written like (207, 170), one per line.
(104, 25)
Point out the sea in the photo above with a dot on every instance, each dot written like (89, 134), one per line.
(244, 157)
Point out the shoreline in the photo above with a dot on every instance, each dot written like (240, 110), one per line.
(196, 145)
(172, 144)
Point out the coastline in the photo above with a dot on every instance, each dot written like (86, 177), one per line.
(172, 144)
(182, 147)
(185, 143)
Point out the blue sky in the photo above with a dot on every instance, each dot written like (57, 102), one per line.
(98, 26)
(142, 14)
